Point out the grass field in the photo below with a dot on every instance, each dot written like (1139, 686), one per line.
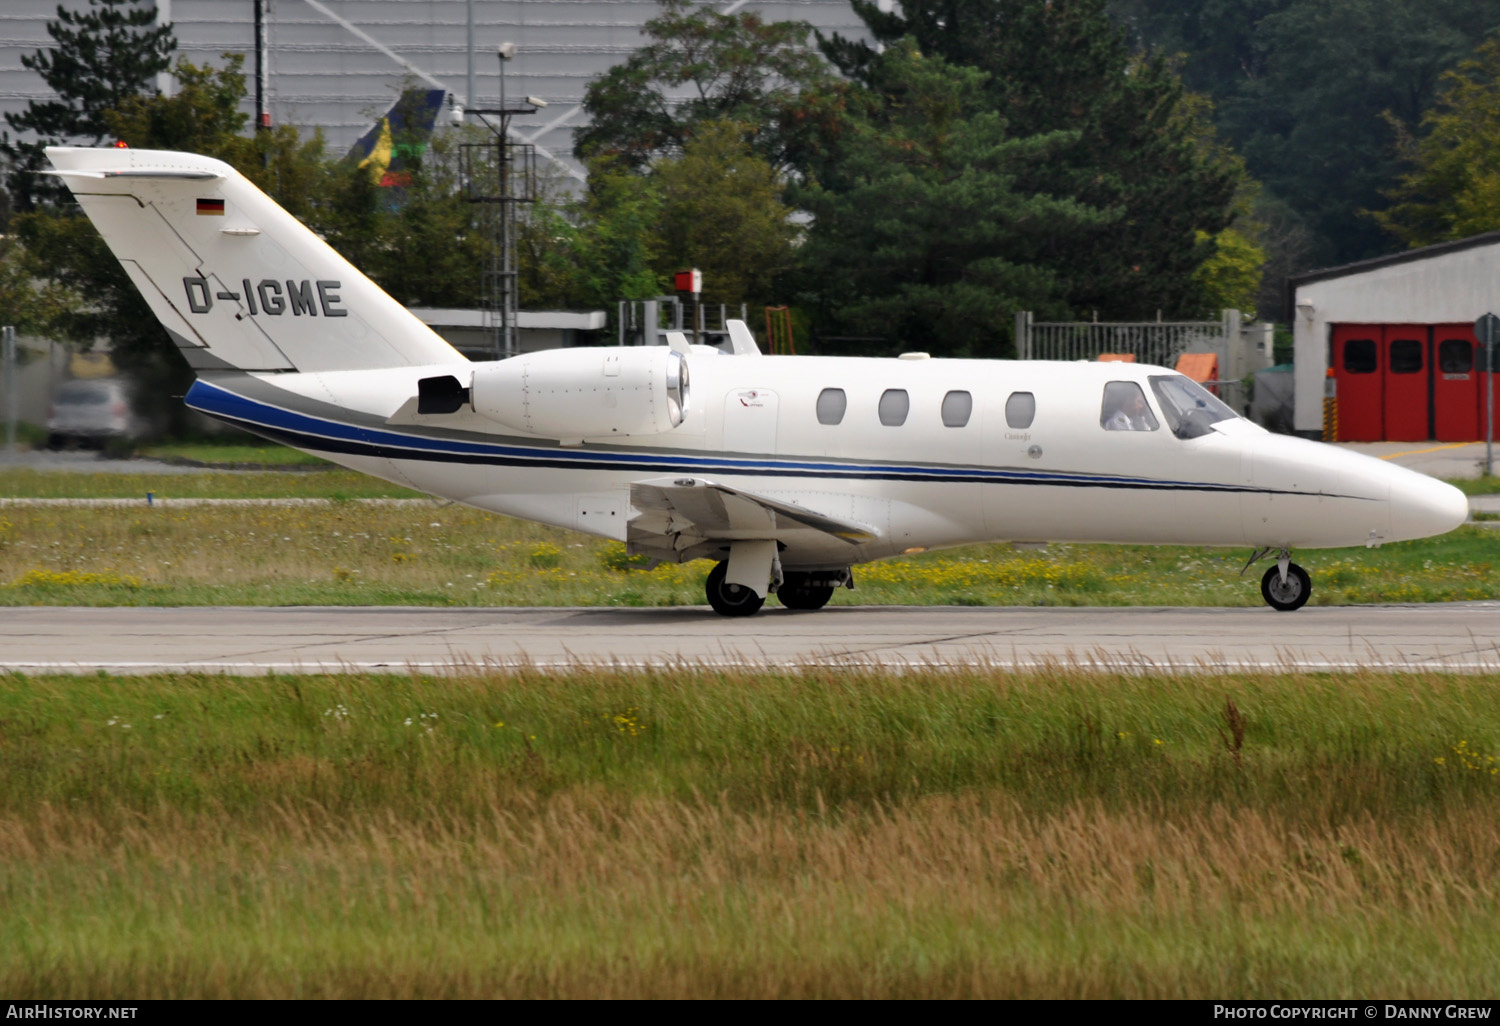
(24, 483)
(248, 451)
(709, 834)
(697, 833)
(353, 553)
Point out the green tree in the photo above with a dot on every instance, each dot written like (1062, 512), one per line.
(27, 304)
(1215, 45)
(1060, 65)
(547, 241)
(1452, 188)
(701, 65)
(613, 244)
(423, 248)
(1315, 123)
(99, 58)
(924, 233)
(721, 212)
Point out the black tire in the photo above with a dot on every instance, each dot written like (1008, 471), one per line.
(796, 593)
(730, 599)
(1289, 596)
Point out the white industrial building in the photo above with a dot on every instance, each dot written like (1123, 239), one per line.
(339, 64)
(1392, 340)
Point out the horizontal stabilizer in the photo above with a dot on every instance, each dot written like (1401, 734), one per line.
(139, 172)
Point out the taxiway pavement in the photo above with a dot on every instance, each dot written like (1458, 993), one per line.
(1461, 636)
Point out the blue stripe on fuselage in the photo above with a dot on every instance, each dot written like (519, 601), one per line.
(305, 431)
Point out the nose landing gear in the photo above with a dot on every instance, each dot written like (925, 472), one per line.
(1285, 586)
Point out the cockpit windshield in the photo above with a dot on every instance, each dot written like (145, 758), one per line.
(1190, 409)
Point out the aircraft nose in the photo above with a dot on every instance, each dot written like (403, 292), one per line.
(1422, 506)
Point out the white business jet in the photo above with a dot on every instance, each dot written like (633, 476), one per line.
(788, 471)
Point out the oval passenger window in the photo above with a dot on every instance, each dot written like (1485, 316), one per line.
(894, 405)
(1020, 409)
(831, 405)
(957, 406)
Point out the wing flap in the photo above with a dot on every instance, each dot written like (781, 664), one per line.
(683, 518)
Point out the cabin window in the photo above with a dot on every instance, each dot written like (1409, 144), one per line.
(1455, 356)
(894, 406)
(1406, 356)
(1020, 410)
(1359, 356)
(957, 406)
(1125, 409)
(831, 405)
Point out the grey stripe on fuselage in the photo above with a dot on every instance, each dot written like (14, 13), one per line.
(264, 390)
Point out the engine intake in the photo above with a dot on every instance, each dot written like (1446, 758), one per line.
(585, 393)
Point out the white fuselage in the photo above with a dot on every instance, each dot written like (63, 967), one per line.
(752, 423)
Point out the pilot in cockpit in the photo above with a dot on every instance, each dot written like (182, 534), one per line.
(1128, 406)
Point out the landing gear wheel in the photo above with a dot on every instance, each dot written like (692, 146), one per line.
(730, 599)
(797, 593)
(1293, 594)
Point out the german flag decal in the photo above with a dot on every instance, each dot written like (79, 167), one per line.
(211, 206)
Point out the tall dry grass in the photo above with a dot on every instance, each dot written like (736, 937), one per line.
(681, 833)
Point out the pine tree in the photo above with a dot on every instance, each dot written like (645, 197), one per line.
(924, 233)
(100, 57)
(1060, 65)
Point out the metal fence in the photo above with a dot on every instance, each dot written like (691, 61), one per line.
(1155, 342)
(643, 321)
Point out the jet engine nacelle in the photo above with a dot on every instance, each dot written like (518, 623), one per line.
(585, 393)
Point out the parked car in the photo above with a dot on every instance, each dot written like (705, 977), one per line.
(90, 413)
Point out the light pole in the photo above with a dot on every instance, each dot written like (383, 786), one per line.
(500, 275)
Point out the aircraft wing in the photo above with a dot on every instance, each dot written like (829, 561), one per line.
(679, 519)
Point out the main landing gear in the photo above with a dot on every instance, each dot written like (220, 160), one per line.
(799, 590)
(803, 591)
(1285, 586)
(730, 599)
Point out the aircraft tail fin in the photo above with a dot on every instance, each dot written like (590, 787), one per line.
(237, 281)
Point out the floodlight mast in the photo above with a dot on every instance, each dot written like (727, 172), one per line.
(501, 301)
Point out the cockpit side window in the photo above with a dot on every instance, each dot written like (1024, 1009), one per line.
(1125, 409)
(1190, 409)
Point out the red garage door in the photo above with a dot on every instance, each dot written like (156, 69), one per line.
(1408, 382)
(1457, 385)
(1358, 371)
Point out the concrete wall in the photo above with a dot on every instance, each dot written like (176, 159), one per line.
(1445, 288)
